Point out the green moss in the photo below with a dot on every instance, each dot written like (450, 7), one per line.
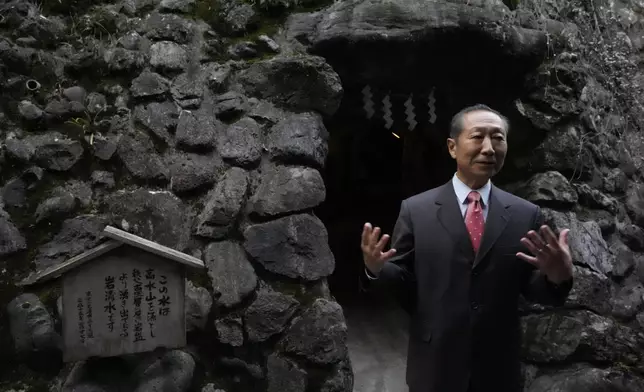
(49, 295)
(304, 294)
(208, 11)
(199, 278)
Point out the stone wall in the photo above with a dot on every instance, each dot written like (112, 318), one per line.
(198, 125)
(141, 115)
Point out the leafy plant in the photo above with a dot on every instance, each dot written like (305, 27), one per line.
(87, 124)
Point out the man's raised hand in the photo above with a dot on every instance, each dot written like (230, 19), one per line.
(372, 246)
(551, 254)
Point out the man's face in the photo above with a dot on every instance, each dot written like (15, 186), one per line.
(481, 147)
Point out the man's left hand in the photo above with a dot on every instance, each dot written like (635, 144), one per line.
(552, 255)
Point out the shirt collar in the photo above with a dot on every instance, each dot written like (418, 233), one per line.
(463, 190)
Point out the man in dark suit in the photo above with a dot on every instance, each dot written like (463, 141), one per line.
(461, 256)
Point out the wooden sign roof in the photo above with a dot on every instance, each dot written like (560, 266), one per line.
(117, 238)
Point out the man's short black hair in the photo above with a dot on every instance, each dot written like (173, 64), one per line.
(456, 126)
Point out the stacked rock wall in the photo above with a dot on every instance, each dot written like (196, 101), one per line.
(141, 115)
(183, 122)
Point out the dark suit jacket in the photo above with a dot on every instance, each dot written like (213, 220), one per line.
(465, 331)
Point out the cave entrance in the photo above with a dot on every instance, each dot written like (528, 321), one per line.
(378, 156)
(388, 142)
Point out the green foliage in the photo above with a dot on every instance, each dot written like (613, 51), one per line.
(208, 11)
(85, 124)
(512, 4)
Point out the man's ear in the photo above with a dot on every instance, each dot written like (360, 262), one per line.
(451, 147)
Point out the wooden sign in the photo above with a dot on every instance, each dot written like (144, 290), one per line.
(128, 299)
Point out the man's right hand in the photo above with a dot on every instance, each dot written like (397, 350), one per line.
(372, 246)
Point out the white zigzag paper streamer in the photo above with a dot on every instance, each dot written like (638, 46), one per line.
(386, 105)
(409, 111)
(432, 108)
(368, 102)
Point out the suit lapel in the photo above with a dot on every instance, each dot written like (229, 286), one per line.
(450, 216)
(497, 219)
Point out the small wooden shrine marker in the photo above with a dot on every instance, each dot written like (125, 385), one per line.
(121, 297)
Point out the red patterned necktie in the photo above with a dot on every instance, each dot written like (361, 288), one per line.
(474, 221)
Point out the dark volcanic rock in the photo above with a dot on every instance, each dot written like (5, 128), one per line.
(185, 6)
(11, 241)
(319, 334)
(269, 314)
(96, 103)
(635, 203)
(188, 88)
(596, 199)
(241, 143)
(371, 21)
(172, 370)
(237, 16)
(139, 156)
(168, 27)
(341, 379)
(229, 105)
(266, 113)
(284, 375)
(168, 56)
(586, 242)
(198, 131)
(223, 204)
(190, 172)
(299, 138)
(628, 300)
(230, 330)
(217, 76)
(105, 146)
(243, 50)
(75, 237)
(29, 111)
(582, 336)
(104, 179)
(554, 154)
(294, 246)
(20, 149)
(231, 274)
(75, 94)
(124, 60)
(301, 83)
(158, 216)
(55, 151)
(197, 306)
(160, 118)
(287, 189)
(633, 236)
(56, 208)
(132, 40)
(149, 84)
(624, 258)
(587, 379)
(13, 193)
(549, 187)
(590, 291)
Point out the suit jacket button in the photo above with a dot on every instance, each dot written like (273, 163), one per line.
(475, 306)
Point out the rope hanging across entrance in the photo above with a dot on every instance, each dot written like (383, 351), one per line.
(388, 103)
